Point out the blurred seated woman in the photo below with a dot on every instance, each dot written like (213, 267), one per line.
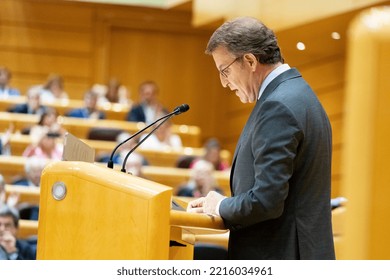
(53, 89)
(44, 144)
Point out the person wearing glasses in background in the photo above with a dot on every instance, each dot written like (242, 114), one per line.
(281, 171)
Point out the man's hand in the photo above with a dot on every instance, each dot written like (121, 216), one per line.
(8, 242)
(206, 204)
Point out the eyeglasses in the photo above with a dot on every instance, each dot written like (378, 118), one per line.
(223, 73)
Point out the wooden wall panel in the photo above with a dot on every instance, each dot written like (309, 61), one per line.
(38, 38)
(175, 61)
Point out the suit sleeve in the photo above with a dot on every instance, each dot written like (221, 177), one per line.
(274, 142)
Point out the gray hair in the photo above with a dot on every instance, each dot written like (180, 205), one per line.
(247, 35)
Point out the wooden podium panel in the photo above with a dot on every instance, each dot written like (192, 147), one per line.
(108, 214)
(105, 214)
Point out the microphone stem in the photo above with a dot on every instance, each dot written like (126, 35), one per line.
(110, 163)
(140, 142)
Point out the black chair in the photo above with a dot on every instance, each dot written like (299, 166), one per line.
(185, 161)
(104, 133)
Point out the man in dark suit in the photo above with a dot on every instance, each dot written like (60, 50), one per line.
(33, 104)
(149, 108)
(281, 172)
(12, 248)
(90, 109)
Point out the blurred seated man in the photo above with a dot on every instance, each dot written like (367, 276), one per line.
(148, 107)
(90, 109)
(33, 104)
(5, 90)
(11, 247)
(33, 172)
(201, 181)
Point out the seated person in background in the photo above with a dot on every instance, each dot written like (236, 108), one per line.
(113, 92)
(134, 165)
(33, 172)
(12, 199)
(53, 89)
(201, 181)
(122, 151)
(14, 248)
(90, 110)
(5, 148)
(5, 90)
(162, 139)
(148, 107)
(44, 144)
(49, 119)
(33, 104)
(212, 154)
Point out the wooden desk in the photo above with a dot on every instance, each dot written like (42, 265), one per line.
(113, 111)
(26, 194)
(190, 135)
(20, 142)
(27, 228)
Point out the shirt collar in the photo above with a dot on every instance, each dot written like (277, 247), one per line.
(276, 72)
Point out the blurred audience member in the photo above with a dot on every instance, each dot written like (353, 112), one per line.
(12, 247)
(201, 181)
(123, 150)
(12, 199)
(162, 139)
(33, 104)
(148, 107)
(212, 154)
(113, 92)
(44, 144)
(5, 148)
(49, 119)
(33, 171)
(134, 165)
(90, 109)
(5, 90)
(53, 89)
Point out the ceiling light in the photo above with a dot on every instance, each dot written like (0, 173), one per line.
(301, 46)
(335, 36)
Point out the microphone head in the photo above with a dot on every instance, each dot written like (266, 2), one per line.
(181, 109)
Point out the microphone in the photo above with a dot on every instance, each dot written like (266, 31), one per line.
(177, 111)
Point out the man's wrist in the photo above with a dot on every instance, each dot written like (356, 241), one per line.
(217, 207)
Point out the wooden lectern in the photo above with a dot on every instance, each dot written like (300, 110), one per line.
(89, 211)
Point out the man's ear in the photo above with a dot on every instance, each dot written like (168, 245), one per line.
(251, 60)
